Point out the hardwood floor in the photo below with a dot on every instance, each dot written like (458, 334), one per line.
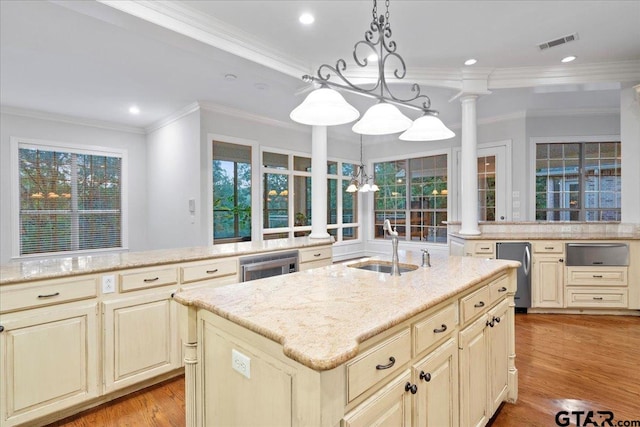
(565, 363)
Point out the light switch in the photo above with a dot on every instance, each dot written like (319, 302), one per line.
(192, 205)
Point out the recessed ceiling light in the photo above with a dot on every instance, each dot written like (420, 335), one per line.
(470, 61)
(306, 19)
(568, 58)
(134, 109)
(230, 76)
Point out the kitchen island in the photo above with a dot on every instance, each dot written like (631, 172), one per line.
(339, 344)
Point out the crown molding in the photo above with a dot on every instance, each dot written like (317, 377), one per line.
(177, 115)
(625, 71)
(228, 111)
(574, 112)
(184, 20)
(44, 115)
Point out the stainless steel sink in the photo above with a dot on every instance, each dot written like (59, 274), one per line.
(382, 266)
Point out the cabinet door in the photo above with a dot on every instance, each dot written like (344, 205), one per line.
(547, 282)
(474, 380)
(391, 406)
(140, 339)
(49, 361)
(436, 402)
(498, 354)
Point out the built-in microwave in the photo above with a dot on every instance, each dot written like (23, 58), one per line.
(267, 265)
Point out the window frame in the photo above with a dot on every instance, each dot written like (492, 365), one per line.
(49, 145)
(534, 141)
(407, 157)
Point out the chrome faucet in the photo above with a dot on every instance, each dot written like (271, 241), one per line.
(395, 265)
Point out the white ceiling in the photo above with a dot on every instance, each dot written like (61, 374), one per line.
(93, 60)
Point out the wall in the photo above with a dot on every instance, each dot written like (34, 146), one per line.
(25, 126)
(173, 176)
(630, 134)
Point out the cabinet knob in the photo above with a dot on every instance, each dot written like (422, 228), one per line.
(1, 328)
(561, 260)
(425, 376)
(412, 388)
(489, 323)
(496, 319)
(392, 361)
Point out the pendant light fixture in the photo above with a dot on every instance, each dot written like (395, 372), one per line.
(326, 107)
(360, 181)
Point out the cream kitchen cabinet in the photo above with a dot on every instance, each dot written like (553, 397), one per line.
(315, 257)
(49, 357)
(436, 377)
(484, 365)
(547, 275)
(140, 332)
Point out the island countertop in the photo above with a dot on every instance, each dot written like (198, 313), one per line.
(321, 316)
(37, 269)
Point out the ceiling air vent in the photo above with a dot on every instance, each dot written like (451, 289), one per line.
(558, 42)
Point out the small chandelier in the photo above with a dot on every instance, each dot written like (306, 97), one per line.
(327, 107)
(360, 181)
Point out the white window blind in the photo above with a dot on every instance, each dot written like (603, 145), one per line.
(70, 200)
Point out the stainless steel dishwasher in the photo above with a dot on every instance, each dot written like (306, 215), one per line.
(519, 251)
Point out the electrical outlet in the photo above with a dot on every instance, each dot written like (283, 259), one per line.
(108, 284)
(241, 363)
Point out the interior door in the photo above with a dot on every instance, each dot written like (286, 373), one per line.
(493, 191)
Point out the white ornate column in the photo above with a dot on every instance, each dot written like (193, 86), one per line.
(469, 167)
(191, 381)
(319, 183)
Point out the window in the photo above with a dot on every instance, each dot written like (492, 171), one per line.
(487, 188)
(231, 192)
(70, 199)
(413, 196)
(287, 197)
(578, 181)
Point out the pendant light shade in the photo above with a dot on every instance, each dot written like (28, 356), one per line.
(324, 107)
(427, 128)
(382, 119)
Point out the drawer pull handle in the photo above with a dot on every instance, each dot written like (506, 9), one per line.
(597, 298)
(548, 247)
(502, 289)
(215, 270)
(597, 276)
(412, 388)
(479, 304)
(425, 376)
(392, 361)
(49, 295)
(485, 249)
(441, 330)
(317, 255)
(151, 280)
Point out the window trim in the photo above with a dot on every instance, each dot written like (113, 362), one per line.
(19, 142)
(533, 141)
(408, 156)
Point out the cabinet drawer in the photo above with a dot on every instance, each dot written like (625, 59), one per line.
(315, 254)
(547, 247)
(208, 270)
(483, 248)
(434, 328)
(377, 363)
(594, 298)
(25, 296)
(148, 278)
(498, 288)
(474, 304)
(598, 276)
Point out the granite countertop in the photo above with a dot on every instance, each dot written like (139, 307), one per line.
(550, 235)
(29, 270)
(321, 316)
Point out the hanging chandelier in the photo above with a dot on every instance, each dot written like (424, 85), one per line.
(325, 106)
(360, 181)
